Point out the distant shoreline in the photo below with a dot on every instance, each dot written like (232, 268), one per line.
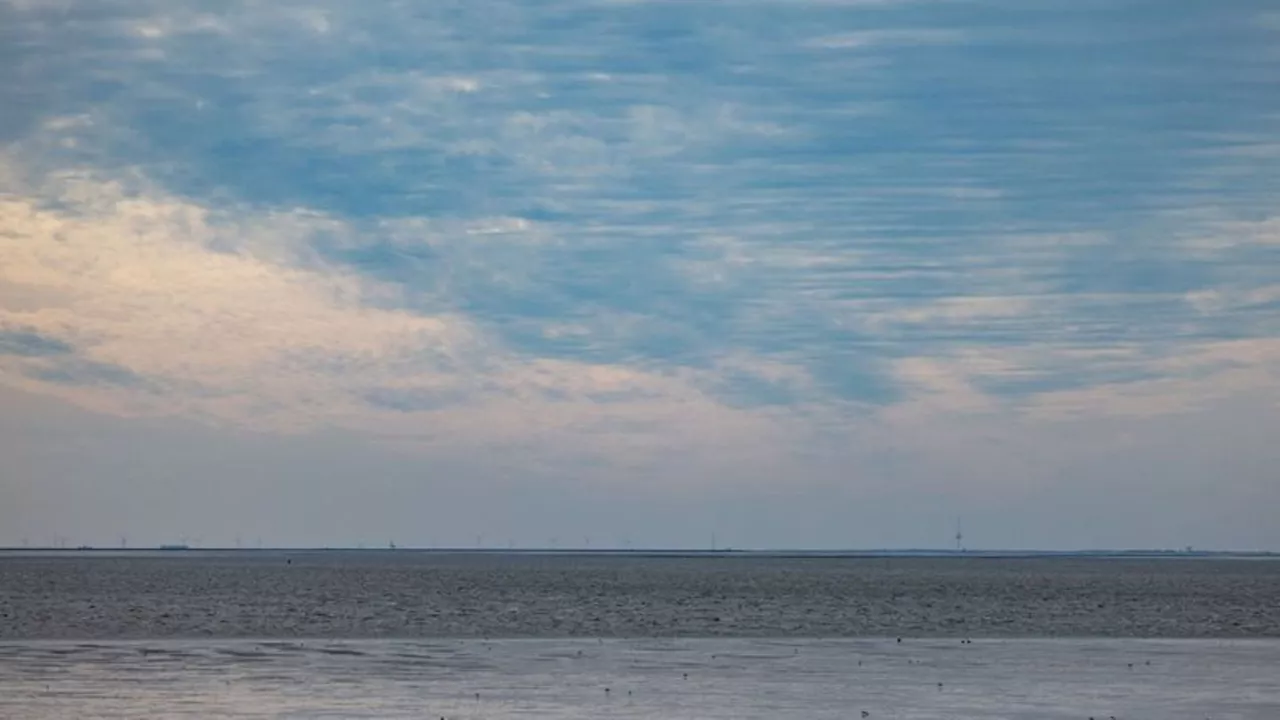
(661, 553)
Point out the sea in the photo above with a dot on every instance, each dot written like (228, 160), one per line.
(408, 634)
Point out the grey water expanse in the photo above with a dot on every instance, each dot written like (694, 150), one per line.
(407, 594)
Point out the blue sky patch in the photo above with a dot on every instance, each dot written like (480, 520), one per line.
(30, 344)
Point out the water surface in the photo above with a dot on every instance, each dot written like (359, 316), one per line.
(406, 594)
(1034, 679)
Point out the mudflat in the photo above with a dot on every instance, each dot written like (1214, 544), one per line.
(640, 679)
(408, 594)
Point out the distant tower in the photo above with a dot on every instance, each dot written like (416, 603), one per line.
(959, 537)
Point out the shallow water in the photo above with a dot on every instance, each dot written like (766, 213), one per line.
(709, 678)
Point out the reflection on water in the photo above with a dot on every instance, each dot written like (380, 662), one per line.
(642, 679)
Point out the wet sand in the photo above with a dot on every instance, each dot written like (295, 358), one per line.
(408, 594)
(1041, 679)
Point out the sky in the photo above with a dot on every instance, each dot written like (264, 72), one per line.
(640, 273)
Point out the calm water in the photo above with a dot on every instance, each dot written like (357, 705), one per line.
(724, 678)
(414, 635)
(410, 594)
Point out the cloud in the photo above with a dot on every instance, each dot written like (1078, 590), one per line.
(294, 215)
(265, 318)
(159, 307)
(139, 282)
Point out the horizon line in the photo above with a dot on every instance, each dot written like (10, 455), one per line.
(658, 551)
